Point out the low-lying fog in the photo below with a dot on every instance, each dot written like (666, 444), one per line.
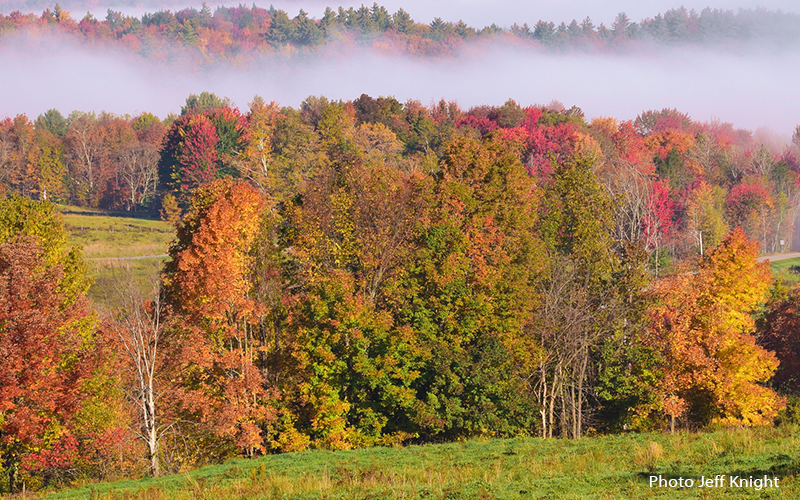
(748, 90)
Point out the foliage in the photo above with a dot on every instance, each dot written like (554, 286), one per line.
(23, 217)
(189, 156)
(778, 332)
(206, 101)
(589, 301)
(352, 274)
(396, 331)
(672, 180)
(241, 34)
(465, 292)
(45, 338)
(702, 328)
(214, 347)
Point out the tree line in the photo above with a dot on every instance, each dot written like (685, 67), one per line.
(678, 185)
(237, 34)
(364, 273)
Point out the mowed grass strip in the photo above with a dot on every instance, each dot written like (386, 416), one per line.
(609, 467)
(784, 264)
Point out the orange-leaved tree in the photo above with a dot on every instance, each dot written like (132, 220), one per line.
(216, 341)
(702, 324)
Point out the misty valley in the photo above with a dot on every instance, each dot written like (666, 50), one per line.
(390, 294)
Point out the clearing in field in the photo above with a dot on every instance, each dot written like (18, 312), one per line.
(118, 247)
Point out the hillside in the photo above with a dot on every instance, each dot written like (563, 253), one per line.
(601, 467)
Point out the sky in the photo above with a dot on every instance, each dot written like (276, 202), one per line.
(751, 90)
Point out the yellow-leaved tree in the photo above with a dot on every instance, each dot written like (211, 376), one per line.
(702, 324)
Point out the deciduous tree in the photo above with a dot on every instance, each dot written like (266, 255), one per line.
(86, 153)
(137, 330)
(214, 347)
(44, 337)
(702, 326)
(189, 156)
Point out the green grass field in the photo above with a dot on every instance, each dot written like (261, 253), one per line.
(779, 265)
(781, 270)
(117, 247)
(610, 467)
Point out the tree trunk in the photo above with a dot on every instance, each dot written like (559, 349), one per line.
(543, 400)
(553, 393)
(573, 406)
(13, 475)
(581, 380)
(152, 434)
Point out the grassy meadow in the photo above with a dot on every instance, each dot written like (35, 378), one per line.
(783, 270)
(117, 247)
(611, 467)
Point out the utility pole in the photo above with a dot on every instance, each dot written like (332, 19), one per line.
(699, 235)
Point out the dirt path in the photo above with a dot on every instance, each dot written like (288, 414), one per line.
(138, 257)
(779, 256)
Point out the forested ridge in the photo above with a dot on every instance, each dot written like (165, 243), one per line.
(240, 35)
(670, 177)
(369, 272)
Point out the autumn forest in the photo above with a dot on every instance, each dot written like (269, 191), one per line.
(370, 272)
(240, 35)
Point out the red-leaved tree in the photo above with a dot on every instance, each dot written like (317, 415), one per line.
(43, 345)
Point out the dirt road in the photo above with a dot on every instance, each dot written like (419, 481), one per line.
(779, 256)
(138, 257)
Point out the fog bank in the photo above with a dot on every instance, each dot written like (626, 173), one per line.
(748, 90)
